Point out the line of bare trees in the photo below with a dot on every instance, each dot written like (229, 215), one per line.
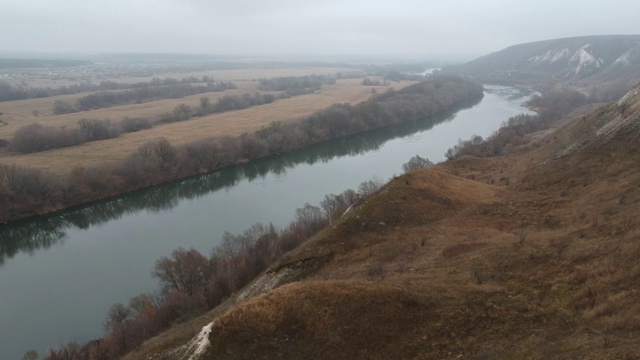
(192, 283)
(296, 85)
(104, 99)
(550, 107)
(158, 161)
(10, 92)
(37, 137)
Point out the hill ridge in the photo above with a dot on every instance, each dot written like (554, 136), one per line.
(610, 64)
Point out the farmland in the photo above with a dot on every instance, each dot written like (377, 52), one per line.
(20, 113)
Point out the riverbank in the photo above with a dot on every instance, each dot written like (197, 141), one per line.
(32, 192)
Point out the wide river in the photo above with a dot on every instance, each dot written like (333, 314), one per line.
(60, 274)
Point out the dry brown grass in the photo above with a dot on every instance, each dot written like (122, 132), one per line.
(19, 113)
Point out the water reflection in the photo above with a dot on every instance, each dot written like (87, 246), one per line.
(42, 233)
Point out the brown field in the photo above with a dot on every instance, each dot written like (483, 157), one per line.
(233, 123)
(20, 113)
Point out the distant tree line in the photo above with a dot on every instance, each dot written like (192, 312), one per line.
(295, 85)
(369, 82)
(550, 107)
(157, 161)
(192, 283)
(381, 69)
(611, 91)
(10, 92)
(37, 137)
(7, 63)
(223, 104)
(104, 99)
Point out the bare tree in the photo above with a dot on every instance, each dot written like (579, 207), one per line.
(160, 149)
(117, 315)
(63, 107)
(367, 188)
(31, 355)
(415, 163)
(186, 271)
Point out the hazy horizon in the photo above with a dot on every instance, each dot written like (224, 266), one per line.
(281, 28)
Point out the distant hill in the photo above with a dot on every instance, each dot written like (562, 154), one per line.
(608, 64)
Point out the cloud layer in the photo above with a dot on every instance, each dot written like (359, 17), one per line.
(398, 28)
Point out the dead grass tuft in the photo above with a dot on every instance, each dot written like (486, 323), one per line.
(459, 249)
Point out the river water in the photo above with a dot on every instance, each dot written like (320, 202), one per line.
(60, 274)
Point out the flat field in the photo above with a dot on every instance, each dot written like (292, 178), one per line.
(17, 114)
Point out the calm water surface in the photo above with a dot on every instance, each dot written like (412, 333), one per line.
(59, 275)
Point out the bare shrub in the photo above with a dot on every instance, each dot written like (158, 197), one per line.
(135, 124)
(415, 163)
(61, 107)
(31, 355)
(376, 272)
(369, 187)
(93, 129)
(37, 137)
(158, 150)
(117, 315)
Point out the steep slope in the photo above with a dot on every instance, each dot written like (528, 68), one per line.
(530, 256)
(608, 62)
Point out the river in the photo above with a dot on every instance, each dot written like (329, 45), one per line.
(60, 274)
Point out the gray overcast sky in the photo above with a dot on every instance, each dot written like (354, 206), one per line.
(399, 27)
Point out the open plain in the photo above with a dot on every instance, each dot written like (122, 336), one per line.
(20, 113)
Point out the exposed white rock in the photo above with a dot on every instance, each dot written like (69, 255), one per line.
(630, 97)
(550, 56)
(584, 58)
(624, 59)
(268, 282)
(197, 346)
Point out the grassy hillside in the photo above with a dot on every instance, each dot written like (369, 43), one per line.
(529, 256)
